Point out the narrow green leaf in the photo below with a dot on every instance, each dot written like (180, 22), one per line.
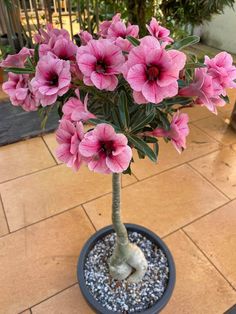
(142, 123)
(150, 139)
(36, 54)
(185, 42)
(127, 171)
(123, 109)
(177, 101)
(141, 155)
(30, 63)
(156, 148)
(141, 145)
(225, 98)
(19, 70)
(164, 120)
(193, 65)
(134, 41)
(99, 121)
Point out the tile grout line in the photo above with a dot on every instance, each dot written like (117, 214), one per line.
(100, 196)
(209, 260)
(29, 173)
(51, 296)
(54, 215)
(87, 215)
(5, 215)
(49, 150)
(138, 180)
(209, 134)
(174, 167)
(196, 219)
(218, 189)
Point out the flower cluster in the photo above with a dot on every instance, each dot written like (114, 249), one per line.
(210, 83)
(130, 90)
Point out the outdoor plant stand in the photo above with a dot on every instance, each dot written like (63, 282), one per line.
(129, 91)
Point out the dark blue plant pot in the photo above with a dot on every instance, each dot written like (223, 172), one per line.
(94, 304)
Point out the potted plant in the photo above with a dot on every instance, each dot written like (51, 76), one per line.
(130, 92)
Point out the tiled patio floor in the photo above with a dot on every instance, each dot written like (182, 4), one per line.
(47, 212)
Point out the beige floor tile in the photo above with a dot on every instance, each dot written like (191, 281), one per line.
(40, 195)
(51, 142)
(3, 223)
(24, 157)
(25, 312)
(39, 261)
(198, 144)
(69, 301)
(218, 128)
(127, 179)
(219, 168)
(197, 113)
(234, 147)
(199, 289)
(215, 234)
(162, 203)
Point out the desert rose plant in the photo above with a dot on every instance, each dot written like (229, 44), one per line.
(129, 91)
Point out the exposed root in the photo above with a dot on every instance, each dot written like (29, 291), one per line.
(132, 266)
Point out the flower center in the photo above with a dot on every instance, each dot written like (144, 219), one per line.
(107, 147)
(153, 73)
(53, 80)
(100, 67)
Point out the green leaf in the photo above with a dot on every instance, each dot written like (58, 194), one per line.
(190, 40)
(99, 121)
(142, 123)
(127, 171)
(181, 83)
(164, 120)
(141, 155)
(20, 70)
(193, 65)
(142, 146)
(134, 41)
(116, 117)
(36, 54)
(156, 148)
(225, 98)
(150, 139)
(123, 109)
(177, 101)
(30, 63)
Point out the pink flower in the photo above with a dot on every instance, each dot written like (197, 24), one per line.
(43, 36)
(19, 89)
(85, 37)
(152, 72)
(60, 46)
(100, 61)
(104, 26)
(108, 151)
(75, 110)
(69, 137)
(206, 90)
(178, 132)
(52, 79)
(118, 32)
(222, 70)
(160, 32)
(17, 60)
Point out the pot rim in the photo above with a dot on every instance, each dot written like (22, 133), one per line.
(159, 305)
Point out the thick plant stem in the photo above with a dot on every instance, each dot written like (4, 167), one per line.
(127, 261)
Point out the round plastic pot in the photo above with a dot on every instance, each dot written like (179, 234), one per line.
(94, 304)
